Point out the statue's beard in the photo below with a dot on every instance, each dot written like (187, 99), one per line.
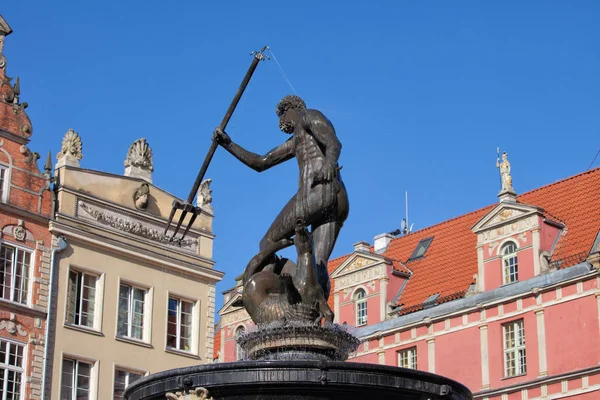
(286, 126)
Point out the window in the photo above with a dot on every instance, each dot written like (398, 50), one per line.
(81, 298)
(420, 249)
(408, 358)
(240, 354)
(131, 312)
(122, 380)
(514, 349)
(179, 327)
(76, 380)
(360, 298)
(11, 370)
(509, 262)
(3, 184)
(14, 273)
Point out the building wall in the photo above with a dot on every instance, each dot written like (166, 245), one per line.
(109, 238)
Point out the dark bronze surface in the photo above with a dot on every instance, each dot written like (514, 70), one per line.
(273, 285)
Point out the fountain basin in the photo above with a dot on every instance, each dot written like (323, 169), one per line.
(297, 380)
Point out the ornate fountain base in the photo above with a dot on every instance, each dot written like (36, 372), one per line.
(298, 380)
(299, 342)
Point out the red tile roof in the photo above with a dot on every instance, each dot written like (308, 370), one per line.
(450, 261)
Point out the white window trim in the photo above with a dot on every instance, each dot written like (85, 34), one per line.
(98, 306)
(7, 179)
(504, 257)
(412, 357)
(127, 369)
(238, 347)
(148, 302)
(93, 374)
(515, 349)
(32, 266)
(356, 303)
(24, 360)
(195, 324)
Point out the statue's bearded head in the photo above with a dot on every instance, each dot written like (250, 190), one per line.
(288, 110)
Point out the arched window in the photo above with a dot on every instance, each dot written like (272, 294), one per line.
(360, 299)
(240, 354)
(510, 263)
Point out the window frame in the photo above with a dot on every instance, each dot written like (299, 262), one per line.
(5, 186)
(21, 370)
(240, 354)
(30, 268)
(93, 378)
(411, 357)
(360, 304)
(520, 368)
(98, 302)
(507, 276)
(425, 242)
(146, 317)
(193, 327)
(128, 371)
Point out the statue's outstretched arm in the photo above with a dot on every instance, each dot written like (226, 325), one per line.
(255, 161)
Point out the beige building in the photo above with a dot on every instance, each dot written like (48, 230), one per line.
(128, 302)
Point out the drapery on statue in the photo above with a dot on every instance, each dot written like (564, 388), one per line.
(321, 202)
(505, 176)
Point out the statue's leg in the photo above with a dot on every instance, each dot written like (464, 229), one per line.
(324, 237)
(282, 228)
(325, 231)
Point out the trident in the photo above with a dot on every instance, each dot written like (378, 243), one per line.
(188, 207)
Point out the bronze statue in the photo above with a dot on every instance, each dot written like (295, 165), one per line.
(321, 202)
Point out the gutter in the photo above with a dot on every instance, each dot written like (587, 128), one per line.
(62, 244)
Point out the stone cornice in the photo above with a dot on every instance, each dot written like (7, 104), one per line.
(148, 256)
(132, 213)
(9, 209)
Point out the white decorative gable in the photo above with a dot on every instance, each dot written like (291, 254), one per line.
(358, 268)
(506, 219)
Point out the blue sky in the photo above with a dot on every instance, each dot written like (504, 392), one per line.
(420, 93)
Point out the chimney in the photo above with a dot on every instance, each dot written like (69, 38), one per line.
(362, 246)
(382, 241)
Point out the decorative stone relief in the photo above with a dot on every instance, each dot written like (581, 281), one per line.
(359, 262)
(205, 196)
(358, 277)
(12, 327)
(491, 247)
(514, 228)
(522, 237)
(128, 225)
(140, 197)
(18, 232)
(199, 393)
(138, 163)
(71, 150)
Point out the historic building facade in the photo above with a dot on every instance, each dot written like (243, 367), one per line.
(129, 300)
(505, 299)
(26, 203)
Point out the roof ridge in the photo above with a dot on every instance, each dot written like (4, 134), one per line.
(589, 171)
(597, 169)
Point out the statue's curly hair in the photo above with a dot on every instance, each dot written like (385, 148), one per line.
(289, 102)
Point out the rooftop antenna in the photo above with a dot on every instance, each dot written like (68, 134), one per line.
(406, 228)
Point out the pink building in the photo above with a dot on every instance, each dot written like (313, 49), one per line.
(505, 299)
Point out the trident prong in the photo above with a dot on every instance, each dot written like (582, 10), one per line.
(188, 206)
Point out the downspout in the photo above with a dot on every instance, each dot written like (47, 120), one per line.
(62, 244)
